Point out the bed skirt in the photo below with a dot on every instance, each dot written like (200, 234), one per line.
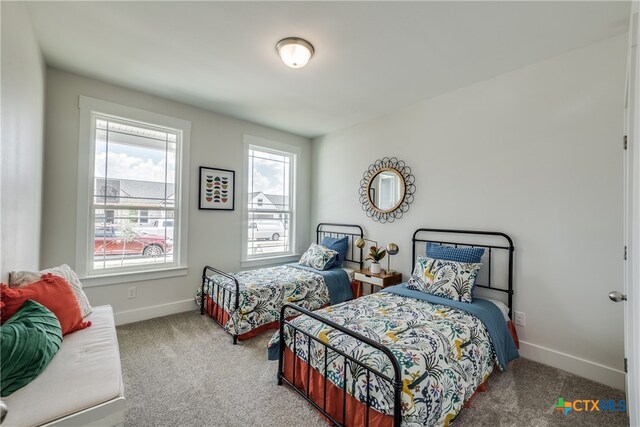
(221, 316)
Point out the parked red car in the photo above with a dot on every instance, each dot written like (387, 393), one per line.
(111, 240)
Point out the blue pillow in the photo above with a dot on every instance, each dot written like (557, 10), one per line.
(449, 253)
(339, 245)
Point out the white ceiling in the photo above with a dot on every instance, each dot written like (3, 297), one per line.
(372, 58)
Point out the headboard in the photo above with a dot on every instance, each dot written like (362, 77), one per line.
(352, 231)
(498, 250)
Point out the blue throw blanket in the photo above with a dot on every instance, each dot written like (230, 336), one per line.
(486, 311)
(337, 281)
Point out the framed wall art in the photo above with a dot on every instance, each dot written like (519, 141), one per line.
(217, 189)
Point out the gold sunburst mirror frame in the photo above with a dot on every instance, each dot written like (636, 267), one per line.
(386, 190)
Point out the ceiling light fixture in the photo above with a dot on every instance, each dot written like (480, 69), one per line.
(295, 52)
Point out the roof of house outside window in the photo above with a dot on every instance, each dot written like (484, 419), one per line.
(277, 200)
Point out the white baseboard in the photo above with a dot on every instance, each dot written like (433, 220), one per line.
(575, 365)
(145, 313)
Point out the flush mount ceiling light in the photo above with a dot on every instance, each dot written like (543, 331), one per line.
(295, 52)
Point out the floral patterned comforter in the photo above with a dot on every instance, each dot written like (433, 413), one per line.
(444, 354)
(263, 292)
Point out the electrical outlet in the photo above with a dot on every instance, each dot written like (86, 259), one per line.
(520, 318)
(131, 292)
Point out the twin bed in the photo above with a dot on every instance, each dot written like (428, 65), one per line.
(401, 356)
(248, 302)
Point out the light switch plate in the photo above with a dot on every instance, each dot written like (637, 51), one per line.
(520, 318)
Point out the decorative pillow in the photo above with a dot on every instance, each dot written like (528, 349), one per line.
(319, 257)
(417, 284)
(28, 342)
(339, 245)
(449, 253)
(54, 293)
(446, 279)
(22, 278)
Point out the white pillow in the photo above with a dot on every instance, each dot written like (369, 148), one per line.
(502, 306)
(24, 278)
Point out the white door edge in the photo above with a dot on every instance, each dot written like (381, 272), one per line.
(632, 223)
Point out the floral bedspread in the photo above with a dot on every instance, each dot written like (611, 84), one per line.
(444, 354)
(263, 292)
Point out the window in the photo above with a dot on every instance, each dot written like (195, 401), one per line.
(133, 182)
(270, 201)
(144, 217)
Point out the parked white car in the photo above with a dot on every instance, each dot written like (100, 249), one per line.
(266, 230)
(157, 228)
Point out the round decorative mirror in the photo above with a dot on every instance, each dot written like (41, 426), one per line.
(386, 189)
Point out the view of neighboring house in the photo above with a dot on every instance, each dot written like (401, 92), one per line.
(269, 203)
(129, 192)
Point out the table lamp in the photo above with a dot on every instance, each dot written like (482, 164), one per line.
(362, 241)
(360, 244)
(392, 249)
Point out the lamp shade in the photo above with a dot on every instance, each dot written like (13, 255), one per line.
(362, 241)
(392, 249)
(295, 52)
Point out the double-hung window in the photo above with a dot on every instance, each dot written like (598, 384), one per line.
(270, 199)
(133, 210)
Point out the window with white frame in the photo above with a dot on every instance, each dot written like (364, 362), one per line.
(270, 204)
(135, 186)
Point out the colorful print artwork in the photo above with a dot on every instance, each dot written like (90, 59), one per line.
(216, 188)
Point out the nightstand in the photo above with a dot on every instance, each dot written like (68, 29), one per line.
(381, 280)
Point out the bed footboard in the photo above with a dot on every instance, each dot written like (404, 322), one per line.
(394, 381)
(223, 295)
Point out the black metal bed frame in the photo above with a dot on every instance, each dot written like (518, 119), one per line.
(324, 229)
(329, 229)
(217, 289)
(396, 380)
(509, 247)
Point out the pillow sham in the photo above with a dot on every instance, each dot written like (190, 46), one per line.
(340, 245)
(318, 257)
(450, 253)
(22, 278)
(54, 293)
(446, 279)
(28, 342)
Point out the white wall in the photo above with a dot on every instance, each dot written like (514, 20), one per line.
(21, 150)
(214, 236)
(535, 153)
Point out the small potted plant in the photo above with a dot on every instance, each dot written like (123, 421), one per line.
(375, 255)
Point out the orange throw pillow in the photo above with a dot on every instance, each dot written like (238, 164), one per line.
(51, 291)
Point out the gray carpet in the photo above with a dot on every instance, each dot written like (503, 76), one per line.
(182, 370)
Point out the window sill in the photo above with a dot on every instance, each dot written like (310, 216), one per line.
(136, 276)
(269, 261)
